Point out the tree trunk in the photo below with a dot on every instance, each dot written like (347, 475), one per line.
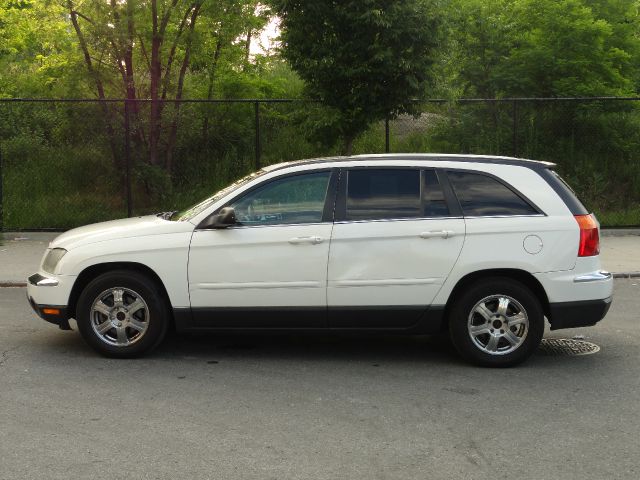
(173, 131)
(212, 74)
(172, 52)
(347, 145)
(155, 73)
(130, 86)
(108, 117)
(247, 50)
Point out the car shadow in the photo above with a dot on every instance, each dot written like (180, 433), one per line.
(374, 349)
(308, 347)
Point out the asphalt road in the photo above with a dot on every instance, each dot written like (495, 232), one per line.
(296, 407)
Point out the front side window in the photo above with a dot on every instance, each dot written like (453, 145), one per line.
(290, 200)
(481, 195)
(191, 212)
(374, 194)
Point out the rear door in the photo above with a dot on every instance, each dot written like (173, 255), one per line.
(394, 242)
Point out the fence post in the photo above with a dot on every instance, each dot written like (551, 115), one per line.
(386, 135)
(127, 157)
(258, 147)
(515, 129)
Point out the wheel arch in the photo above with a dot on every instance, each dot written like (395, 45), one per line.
(522, 276)
(93, 271)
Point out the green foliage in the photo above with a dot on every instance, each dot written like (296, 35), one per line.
(37, 56)
(365, 60)
(541, 48)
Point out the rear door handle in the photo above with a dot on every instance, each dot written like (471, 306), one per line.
(311, 240)
(438, 234)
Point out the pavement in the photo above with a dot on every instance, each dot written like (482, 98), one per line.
(21, 252)
(316, 407)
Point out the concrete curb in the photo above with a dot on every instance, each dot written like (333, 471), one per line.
(620, 232)
(626, 275)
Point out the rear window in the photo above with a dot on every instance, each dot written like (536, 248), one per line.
(482, 195)
(564, 191)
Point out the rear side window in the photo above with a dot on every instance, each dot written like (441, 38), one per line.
(481, 195)
(374, 194)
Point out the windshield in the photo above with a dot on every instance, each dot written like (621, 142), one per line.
(191, 212)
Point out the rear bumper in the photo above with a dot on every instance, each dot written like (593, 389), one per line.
(584, 313)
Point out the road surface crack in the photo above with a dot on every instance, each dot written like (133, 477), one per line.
(4, 355)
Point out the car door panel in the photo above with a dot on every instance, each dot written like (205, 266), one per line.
(242, 276)
(259, 266)
(390, 264)
(387, 271)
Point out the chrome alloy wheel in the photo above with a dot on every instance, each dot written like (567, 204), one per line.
(498, 324)
(119, 316)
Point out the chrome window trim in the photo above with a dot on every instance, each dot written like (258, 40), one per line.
(241, 227)
(403, 219)
(507, 216)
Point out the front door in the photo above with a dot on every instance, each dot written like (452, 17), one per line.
(270, 270)
(393, 245)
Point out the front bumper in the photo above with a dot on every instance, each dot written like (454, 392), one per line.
(49, 297)
(56, 314)
(584, 313)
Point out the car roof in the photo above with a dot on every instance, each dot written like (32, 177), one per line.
(443, 157)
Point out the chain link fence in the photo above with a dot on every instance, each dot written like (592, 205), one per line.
(65, 163)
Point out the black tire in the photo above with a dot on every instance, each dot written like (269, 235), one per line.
(479, 350)
(154, 315)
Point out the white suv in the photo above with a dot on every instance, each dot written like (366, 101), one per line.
(486, 247)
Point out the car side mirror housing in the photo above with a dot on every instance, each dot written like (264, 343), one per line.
(223, 219)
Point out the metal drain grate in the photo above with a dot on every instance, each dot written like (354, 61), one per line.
(566, 346)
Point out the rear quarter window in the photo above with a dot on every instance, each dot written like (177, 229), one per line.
(564, 191)
(482, 195)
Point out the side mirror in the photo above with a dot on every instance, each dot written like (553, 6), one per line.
(225, 218)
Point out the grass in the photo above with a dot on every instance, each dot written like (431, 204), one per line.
(628, 217)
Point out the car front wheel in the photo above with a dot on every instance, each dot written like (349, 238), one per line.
(496, 322)
(122, 314)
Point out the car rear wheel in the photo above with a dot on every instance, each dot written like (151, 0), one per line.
(122, 314)
(496, 322)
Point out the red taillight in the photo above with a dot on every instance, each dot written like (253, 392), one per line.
(589, 238)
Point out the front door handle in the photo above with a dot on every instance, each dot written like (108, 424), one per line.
(438, 234)
(311, 240)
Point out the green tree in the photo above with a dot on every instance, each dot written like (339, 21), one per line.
(146, 49)
(364, 59)
(37, 57)
(541, 48)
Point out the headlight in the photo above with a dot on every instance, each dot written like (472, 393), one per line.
(52, 259)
